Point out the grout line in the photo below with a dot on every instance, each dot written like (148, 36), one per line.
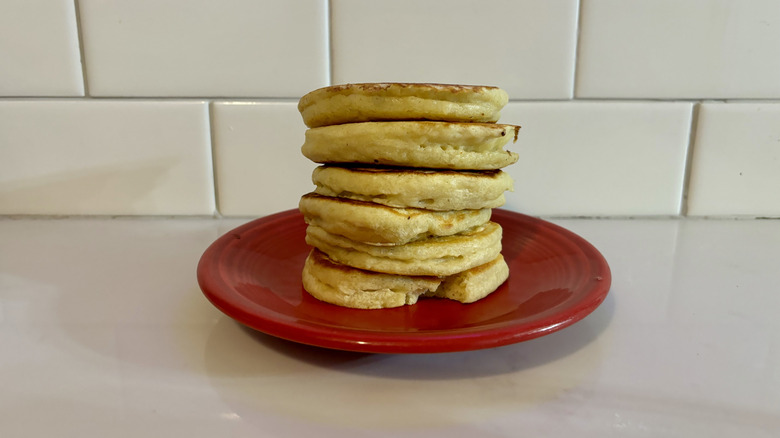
(683, 207)
(642, 100)
(575, 68)
(212, 137)
(157, 98)
(329, 40)
(82, 56)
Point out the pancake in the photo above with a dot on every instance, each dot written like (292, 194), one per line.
(443, 145)
(380, 224)
(441, 190)
(351, 103)
(344, 286)
(475, 283)
(341, 285)
(438, 256)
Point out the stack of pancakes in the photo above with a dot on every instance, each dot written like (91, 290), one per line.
(403, 199)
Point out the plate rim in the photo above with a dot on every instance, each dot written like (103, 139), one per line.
(239, 307)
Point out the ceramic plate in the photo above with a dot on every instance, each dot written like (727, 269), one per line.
(253, 274)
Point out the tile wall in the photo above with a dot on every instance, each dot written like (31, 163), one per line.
(188, 107)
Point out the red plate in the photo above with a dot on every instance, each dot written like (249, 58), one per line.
(253, 274)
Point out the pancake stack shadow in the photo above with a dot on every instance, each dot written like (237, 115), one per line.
(409, 176)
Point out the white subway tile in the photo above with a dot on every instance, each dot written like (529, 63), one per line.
(526, 46)
(105, 157)
(679, 49)
(257, 152)
(39, 49)
(255, 48)
(598, 158)
(735, 170)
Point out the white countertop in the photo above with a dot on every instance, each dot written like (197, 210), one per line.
(105, 333)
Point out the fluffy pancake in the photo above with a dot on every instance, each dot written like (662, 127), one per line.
(379, 224)
(344, 286)
(337, 284)
(475, 283)
(413, 144)
(351, 103)
(441, 190)
(439, 256)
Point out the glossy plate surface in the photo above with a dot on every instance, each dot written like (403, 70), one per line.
(253, 275)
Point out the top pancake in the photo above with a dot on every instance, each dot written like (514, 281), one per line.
(351, 103)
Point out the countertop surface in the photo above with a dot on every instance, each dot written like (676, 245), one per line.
(104, 332)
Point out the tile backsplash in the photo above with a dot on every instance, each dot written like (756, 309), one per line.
(525, 46)
(231, 48)
(111, 157)
(39, 49)
(188, 107)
